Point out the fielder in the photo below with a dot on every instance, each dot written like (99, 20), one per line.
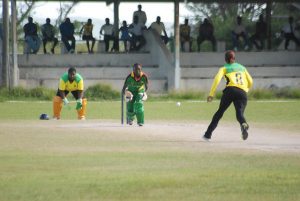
(135, 87)
(238, 83)
(70, 82)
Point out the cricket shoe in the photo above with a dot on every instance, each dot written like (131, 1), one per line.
(206, 139)
(140, 124)
(244, 128)
(130, 122)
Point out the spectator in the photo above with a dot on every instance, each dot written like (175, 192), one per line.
(136, 29)
(206, 32)
(108, 33)
(31, 38)
(88, 35)
(67, 34)
(159, 27)
(48, 32)
(238, 32)
(125, 37)
(185, 34)
(260, 33)
(288, 31)
(141, 15)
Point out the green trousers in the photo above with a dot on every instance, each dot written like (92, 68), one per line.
(135, 107)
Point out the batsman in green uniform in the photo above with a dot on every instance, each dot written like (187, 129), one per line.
(135, 87)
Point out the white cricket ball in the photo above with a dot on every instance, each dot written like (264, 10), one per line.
(178, 104)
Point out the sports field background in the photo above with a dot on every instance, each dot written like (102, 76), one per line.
(100, 159)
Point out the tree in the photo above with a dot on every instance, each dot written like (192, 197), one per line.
(223, 16)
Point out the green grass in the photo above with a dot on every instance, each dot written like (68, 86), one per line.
(280, 113)
(55, 160)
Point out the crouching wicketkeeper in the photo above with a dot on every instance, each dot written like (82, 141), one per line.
(70, 82)
(135, 87)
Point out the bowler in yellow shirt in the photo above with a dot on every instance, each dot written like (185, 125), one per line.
(238, 83)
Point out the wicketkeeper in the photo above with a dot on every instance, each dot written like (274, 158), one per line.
(70, 82)
(135, 87)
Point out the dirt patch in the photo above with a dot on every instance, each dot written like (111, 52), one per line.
(225, 136)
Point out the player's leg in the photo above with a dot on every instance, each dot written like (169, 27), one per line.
(81, 113)
(225, 102)
(240, 104)
(130, 111)
(57, 105)
(139, 109)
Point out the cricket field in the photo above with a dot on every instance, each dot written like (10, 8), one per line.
(101, 160)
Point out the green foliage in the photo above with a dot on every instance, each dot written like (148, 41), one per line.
(281, 93)
(19, 93)
(101, 92)
(105, 92)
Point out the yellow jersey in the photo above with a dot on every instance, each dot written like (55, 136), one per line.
(66, 85)
(235, 74)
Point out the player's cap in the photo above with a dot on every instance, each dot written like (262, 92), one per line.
(44, 117)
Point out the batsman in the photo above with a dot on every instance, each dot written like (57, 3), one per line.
(70, 82)
(135, 87)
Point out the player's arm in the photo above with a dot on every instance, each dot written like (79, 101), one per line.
(215, 84)
(62, 88)
(146, 82)
(80, 89)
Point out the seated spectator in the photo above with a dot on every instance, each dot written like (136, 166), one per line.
(48, 32)
(260, 33)
(138, 40)
(125, 37)
(185, 34)
(159, 27)
(206, 32)
(108, 30)
(238, 32)
(288, 31)
(67, 34)
(31, 38)
(141, 15)
(88, 35)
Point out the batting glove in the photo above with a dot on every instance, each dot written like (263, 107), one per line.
(66, 102)
(128, 96)
(79, 104)
(144, 96)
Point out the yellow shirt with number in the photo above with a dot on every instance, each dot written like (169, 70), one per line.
(235, 74)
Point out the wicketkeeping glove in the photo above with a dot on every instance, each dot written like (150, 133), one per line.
(66, 102)
(78, 104)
